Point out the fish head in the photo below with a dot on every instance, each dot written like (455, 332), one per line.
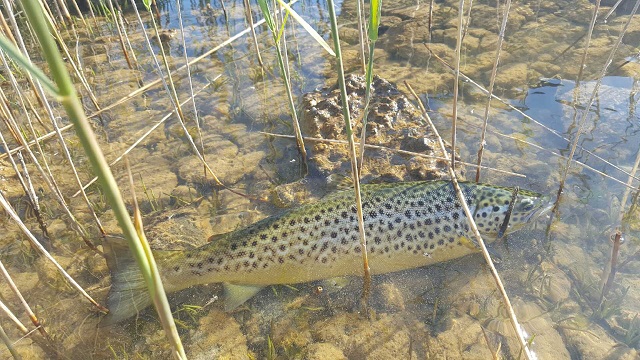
(495, 204)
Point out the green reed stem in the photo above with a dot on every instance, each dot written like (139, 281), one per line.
(352, 151)
(374, 23)
(67, 96)
(275, 33)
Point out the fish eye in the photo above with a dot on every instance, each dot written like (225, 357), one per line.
(526, 205)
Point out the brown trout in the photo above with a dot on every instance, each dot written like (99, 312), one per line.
(407, 225)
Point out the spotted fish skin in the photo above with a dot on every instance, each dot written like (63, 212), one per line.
(407, 225)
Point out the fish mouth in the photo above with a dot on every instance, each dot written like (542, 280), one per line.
(543, 210)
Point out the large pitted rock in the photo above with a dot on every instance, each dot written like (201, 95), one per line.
(393, 122)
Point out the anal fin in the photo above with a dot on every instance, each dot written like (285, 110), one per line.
(236, 295)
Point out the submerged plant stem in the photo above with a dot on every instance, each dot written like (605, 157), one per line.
(366, 288)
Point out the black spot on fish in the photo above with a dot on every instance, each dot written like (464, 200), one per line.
(420, 203)
(324, 260)
(496, 208)
(276, 226)
(421, 234)
(314, 247)
(451, 239)
(396, 247)
(428, 221)
(234, 246)
(432, 246)
(282, 247)
(409, 237)
(188, 255)
(438, 220)
(388, 206)
(334, 249)
(281, 260)
(399, 233)
(176, 268)
(274, 239)
(263, 236)
(344, 241)
(430, 235)
(386, 249)
(305, 242)
(327, 222)
(456, 216)
(398, 220)
(436, 230)
(318, 217)
(292, 222)
(307, 220)
(446, 228)
(390, 225)
(441, 242)
(357, 249)
(377, 240)
(438, 207)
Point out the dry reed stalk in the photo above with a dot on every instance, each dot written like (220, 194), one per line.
(76, 69)
(610, 270)
(141, 138)
(146, 87)
(33, 198)
(11, 122)
(366, 287)
(34, 243)
(587, 108)
(254, 37)
(430, 19)
(521, 113)
(395, 151)
(577, 162)
(480, 242)
(278, 35)
(46, 175)
(492, 81)
(196, 119)
(592, 24)
(171, 91)
(23, 329)
(62, 6)
(75, 6)
(125, 53)
(456, 72)
(27, 308)
(28, 189)
(7, 342)
(7, 32)
(134, 59)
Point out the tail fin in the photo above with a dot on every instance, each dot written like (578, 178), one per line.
(129, 293)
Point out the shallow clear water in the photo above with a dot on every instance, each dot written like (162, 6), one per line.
(552, 274)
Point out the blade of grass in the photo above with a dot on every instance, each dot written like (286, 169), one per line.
(366, 287)
(76, 114)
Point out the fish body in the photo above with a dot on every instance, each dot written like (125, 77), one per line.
(407, 225)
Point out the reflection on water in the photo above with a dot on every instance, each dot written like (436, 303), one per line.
(446, 310)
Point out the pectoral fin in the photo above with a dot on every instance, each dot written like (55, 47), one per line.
(236, 295)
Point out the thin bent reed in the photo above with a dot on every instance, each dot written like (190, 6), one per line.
(480, 242)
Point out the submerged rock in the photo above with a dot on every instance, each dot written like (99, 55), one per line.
(393, 122)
